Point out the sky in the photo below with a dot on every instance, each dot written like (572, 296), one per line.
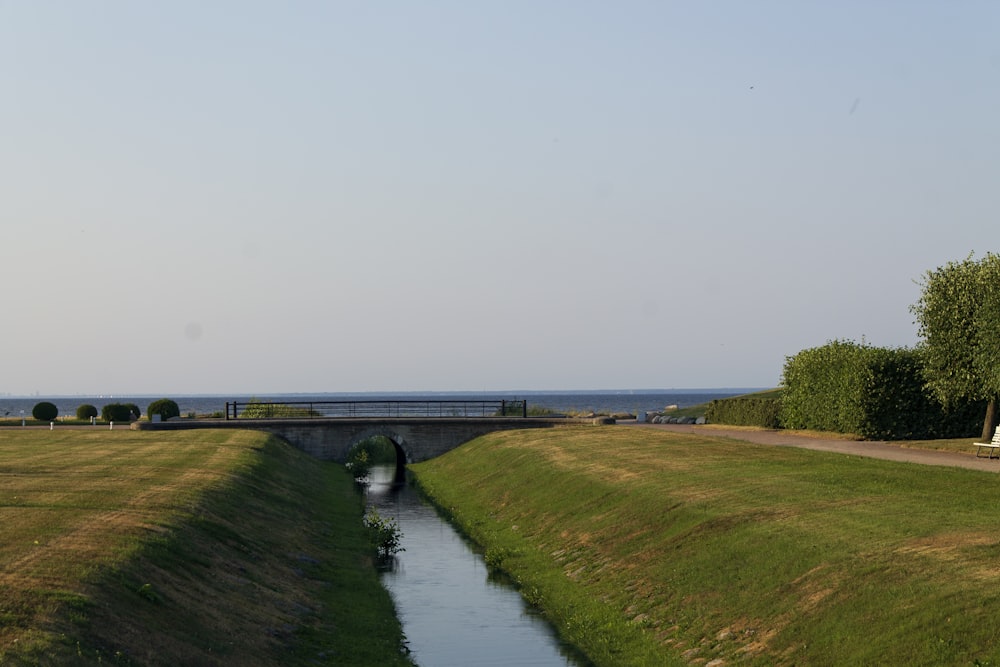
(262, 197)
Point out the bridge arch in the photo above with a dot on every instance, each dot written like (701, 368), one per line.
(399, 444)
(403, 449)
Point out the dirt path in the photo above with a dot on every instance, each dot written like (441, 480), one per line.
(877, 450)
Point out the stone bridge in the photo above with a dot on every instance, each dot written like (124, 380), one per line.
(416, 438)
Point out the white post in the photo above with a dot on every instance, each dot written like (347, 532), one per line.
(52, 425)
(111, 426)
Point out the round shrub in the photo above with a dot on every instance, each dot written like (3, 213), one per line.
(134, 410)
(163, 407)
(45, 411)
(86, 411)
(116, 412)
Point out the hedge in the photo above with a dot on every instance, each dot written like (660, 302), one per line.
(874, 393)
(86, 411)
(745, 411)
(117, 412)
(45, 411)
(164, 407)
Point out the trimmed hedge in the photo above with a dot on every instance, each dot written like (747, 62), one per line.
(45, 411)
(875, 393)
(745, 411)
(164, 407)
(86, 411)
(117, 412)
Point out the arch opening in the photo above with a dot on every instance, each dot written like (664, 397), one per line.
(378, 450)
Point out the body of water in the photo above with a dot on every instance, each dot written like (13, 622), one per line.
(631, 401)
(453, 610)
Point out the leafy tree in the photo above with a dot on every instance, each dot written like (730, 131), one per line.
(164, 407)
(86, 411)
(45, 411)
(959, 318)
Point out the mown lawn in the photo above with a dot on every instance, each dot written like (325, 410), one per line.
(196, 547)
(650, 548)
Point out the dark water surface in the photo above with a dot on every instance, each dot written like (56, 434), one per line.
(453, 612)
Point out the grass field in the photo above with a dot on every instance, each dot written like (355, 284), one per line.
(196, 547)
(655, 548)
(644, 547)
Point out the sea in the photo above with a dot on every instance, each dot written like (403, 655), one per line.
(630, 401)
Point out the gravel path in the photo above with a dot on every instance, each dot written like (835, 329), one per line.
(872, 449)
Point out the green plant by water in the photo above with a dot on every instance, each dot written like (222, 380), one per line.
(384, 534)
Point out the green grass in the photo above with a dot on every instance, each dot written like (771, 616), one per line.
(960, 445)
(654, 548)
(196, 547)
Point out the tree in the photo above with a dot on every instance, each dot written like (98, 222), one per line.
(86, 411)
(45, 411)
(116, 412)
(959, 318)
(164, 407)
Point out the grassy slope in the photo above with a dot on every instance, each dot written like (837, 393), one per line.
(201, 547)
(652, 548)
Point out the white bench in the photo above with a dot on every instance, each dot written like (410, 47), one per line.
(992, 447)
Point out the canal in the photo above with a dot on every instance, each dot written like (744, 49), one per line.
(453, 610)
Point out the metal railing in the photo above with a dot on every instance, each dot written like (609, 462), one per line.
(349, 409)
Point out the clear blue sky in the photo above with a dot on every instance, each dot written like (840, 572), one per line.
(346, 196)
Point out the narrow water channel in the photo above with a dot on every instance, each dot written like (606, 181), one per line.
(452, 610)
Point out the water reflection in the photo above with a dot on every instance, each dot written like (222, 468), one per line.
(452, 610)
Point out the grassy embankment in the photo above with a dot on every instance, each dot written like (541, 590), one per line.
(654, 548)
(196, 547)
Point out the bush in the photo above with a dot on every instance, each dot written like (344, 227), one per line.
(163, 407)
(45, 411)
(384, 534)
(117, 412)
(86, 411)
(358, 464)
(875, 393)
(745, 411)
(257, 409)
